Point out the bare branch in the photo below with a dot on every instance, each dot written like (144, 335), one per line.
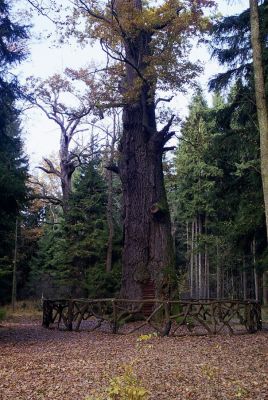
(51, 169)
(167, 100)
(49, 199)
(166, 128)
(168, 136)
(41, 11)
(105, 47)
(165, 149)
(91, 12)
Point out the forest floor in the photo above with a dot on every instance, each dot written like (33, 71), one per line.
(48, 364)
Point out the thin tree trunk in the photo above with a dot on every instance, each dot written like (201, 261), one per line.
(200, 280)
(244, 279)
(14, 280)
(197, 294)
(206, 264)
(192, 262)
(109, 213)
(256, 280)
(109, 209)
(218, 273)
(233, 286)
(262, 113)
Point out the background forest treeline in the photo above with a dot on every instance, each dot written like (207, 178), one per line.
(61, 230)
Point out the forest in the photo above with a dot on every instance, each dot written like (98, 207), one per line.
(137, 201)
(92, 207)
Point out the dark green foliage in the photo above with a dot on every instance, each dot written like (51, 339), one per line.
(86, 226)
(102, 284)
(72, 254)
(50, 275)
(218, 186)
(232, 47)
(13, 164)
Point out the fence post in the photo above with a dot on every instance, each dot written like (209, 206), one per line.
(70, 316)
(167, 319)
(47, 313)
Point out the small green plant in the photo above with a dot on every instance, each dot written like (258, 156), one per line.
(241, 392)
(212, 375)
(127, 387)
(124, 387)
(144, 338)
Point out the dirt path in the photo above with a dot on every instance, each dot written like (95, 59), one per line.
(36, 363)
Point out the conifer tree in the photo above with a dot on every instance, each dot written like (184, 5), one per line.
(13, 164)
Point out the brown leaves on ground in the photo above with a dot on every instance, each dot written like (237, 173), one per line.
(36, 364)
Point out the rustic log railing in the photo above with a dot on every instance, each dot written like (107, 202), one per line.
(164, 317)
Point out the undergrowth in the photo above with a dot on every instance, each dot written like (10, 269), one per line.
(124, 387)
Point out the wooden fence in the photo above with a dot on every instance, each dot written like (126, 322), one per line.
(164, 317)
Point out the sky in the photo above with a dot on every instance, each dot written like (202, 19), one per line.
(41, 136)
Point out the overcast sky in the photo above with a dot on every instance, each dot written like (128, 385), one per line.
(41, 136)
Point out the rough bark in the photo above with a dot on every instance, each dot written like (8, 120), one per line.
(262, 113)
(67, 169)
(148, 248)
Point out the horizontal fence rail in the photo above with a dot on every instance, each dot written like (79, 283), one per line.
(164, 317)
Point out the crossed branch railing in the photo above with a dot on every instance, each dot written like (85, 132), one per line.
(164, 316)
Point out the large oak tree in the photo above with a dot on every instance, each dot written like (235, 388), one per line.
(147, 48)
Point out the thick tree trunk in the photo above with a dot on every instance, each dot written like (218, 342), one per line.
(262, 113)
(148, 251)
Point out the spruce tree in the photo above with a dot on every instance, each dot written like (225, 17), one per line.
(13, 164)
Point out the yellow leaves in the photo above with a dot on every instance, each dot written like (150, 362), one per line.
(123, 387)
(241, 392)
(149, 336)
(209, 371)
(127, 387)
